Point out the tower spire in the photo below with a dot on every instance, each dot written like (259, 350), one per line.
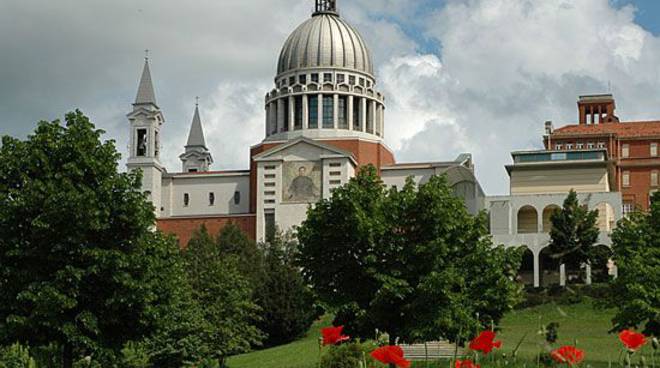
(196, 157)
(196, 134)
(326, 6)
(145, 93)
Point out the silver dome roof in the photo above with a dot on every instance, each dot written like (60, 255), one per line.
(325, 41)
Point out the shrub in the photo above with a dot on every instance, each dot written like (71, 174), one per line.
(16, 356)
(351, 355)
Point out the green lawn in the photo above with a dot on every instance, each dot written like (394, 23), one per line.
(579, 322)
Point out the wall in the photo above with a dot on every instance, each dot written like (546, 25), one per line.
(198, 186)
(183, 228)
(559, 180)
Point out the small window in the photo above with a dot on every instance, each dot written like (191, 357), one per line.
(340, 78)
(292, 81)
(351, 80)
(269, 167)
(569, 146)
(211, 199)
(654, 149)
(186, 199)
(591, 145)
(269, 176)
(579, 146)
(269, 184)
(335, 173)
(558, 147)
(269, 193)
(302, 79)
(362, 82)
(315, 77)
(327, 77)
(335, 182)
(625, 150)
(237, 197)
(654, 178)
(335, 164)
(368, 84)
(269, 201)
(192, 170)
(601, 145)
(626, 178)
(628, 208)
(283, 82)
(269, 222)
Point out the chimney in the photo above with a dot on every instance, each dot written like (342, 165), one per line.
(597, 109)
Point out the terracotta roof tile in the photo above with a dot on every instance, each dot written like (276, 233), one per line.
(623, 130)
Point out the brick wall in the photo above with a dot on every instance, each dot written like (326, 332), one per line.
(183, 228)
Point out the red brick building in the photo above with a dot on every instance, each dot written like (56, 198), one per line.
(632, 147)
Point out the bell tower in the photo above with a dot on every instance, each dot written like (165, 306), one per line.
(145, 121)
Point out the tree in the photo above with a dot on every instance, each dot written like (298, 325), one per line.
(287, 303)
(233, 241)
(636, 290)
(80, 265)
(574, 233)
(411, 262)
(226, 296)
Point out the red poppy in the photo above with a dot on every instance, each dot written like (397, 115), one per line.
(390, 355)
(568, 354)
(332, 335)
(485, 342)
(632, 340)
(466, 364)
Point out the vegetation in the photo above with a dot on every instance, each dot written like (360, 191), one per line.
(636, 291)
(574, 233)
(411, 262)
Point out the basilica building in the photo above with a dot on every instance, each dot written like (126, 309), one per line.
(324, 118)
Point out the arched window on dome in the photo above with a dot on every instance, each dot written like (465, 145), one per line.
(328, 112)
(313, 112)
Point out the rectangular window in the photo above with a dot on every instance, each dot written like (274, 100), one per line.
(342, 118)
(335, 182)
(237, 197)
(186, 199)
(591, 145)
(285, 128)
(569, 146)
(211, 199)
(340, 78)
(269, 222)
(156, 144)
(328, 112)
(298, 113)
(315, 77)
(654, 149)
(362, 82)
(558, 147)
(192, 170)
(628, 208)
(327, 77)
(626, 178)
(357, 113)
(579, 146)
(141, 142)
(302, 79)
(335, 173)
(292, 81)
(351, 80)
(370, 117)
(654, 178)
(335, 164)
(269, 193)
(313, 112)
(625, 150)
(601, 145)
(269, 184)
(270, 167)
(269, 176)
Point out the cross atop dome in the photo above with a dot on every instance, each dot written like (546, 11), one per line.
(326, 6)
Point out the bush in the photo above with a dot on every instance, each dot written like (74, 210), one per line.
(351, 355)
(16, 356)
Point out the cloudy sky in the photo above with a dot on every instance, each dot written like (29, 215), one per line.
(477, 76)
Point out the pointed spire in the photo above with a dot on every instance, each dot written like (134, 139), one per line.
(196, 135)
(145, 94)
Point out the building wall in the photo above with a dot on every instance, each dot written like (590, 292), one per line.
(184, 228)
(559, 180)
(198, 187)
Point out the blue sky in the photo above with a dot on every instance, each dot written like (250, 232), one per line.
(648, 13)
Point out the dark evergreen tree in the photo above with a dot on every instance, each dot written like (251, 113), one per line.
(410, 262)
(226, 297)
(574, 233)
(81, 267)
(636, 291)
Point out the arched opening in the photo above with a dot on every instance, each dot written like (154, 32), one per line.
(605, 217)
(527, 220)
(547, 215)
(526, 271)
(548, 268)
(601, 264)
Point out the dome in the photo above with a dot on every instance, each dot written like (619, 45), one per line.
(325, 41)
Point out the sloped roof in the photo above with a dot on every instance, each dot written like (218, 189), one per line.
(145, 94)
(625, 130)
(196, 135)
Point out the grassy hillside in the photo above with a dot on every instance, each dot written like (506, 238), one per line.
(579, 323)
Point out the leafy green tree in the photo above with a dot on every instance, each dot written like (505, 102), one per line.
(226, 296)
(232, 241)
(411, 262)
(574, 233)
(16, 356)
(636, 290)
(81, 267)
(287, 303)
